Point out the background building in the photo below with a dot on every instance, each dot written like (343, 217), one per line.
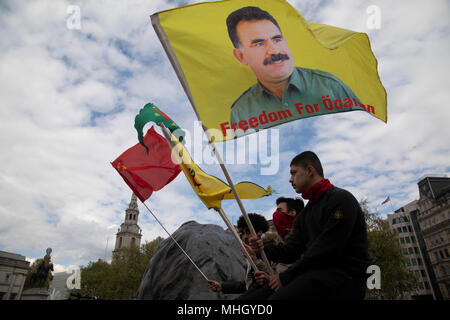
(13, 272)
(423, 228)
(434, 220)
(129, 233)
(409, 238)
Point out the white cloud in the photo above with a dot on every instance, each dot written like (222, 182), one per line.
(69, 97)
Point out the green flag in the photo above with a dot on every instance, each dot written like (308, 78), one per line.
(149, 113)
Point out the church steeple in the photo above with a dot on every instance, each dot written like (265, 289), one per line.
(132, 213)
(129, 233)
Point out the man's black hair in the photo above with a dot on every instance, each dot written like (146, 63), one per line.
(296, 204)
(258, 221)
(246, 14)
(307, 158)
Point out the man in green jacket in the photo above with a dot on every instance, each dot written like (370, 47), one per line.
(283, 92)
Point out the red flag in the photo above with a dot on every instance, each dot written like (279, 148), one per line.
(145, 173)
(387, 199)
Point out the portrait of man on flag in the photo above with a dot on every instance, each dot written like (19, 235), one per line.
(278, 67)
(282, 90)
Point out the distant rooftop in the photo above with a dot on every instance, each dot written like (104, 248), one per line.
(434, 187)
(11, 255)
(432, 175)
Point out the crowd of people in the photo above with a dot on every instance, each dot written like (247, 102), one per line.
(319, 250)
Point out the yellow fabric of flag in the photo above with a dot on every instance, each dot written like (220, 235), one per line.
(209, 189)
(196, 39)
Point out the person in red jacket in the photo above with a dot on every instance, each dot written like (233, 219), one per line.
(328, 245)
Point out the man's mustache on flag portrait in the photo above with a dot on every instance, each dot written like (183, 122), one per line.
(275, 57)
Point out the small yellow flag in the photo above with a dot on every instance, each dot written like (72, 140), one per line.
(211, 190)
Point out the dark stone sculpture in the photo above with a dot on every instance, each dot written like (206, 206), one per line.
(171, 276)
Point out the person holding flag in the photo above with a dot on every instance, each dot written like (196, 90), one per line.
(249, 283)
(283, 221)
(328, 246)
(284, 216)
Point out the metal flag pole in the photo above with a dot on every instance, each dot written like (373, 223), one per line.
(170, 235)
(390, 202)
(173, 60)
(106, 247)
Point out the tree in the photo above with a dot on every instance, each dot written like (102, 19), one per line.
(120, 279)
(386, 253)
(96, 280)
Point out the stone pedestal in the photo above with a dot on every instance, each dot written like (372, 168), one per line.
(35, 294)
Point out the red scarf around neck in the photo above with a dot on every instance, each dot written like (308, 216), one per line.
(314, 193)
(282, 222)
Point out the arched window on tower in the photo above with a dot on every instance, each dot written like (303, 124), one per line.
(120, 242)
(133, 240)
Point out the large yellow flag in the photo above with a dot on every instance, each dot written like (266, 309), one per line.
(247, 66)
(212, 190)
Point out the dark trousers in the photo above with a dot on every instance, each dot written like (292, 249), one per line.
(324, 284)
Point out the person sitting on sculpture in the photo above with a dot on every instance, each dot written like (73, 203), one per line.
(248, 284)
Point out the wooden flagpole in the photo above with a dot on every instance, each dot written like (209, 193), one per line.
(220, 210)
(173, 60)
(236, 236)
(222, 213)
(236, 196)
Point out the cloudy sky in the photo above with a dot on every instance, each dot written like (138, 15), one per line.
(69, 97)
